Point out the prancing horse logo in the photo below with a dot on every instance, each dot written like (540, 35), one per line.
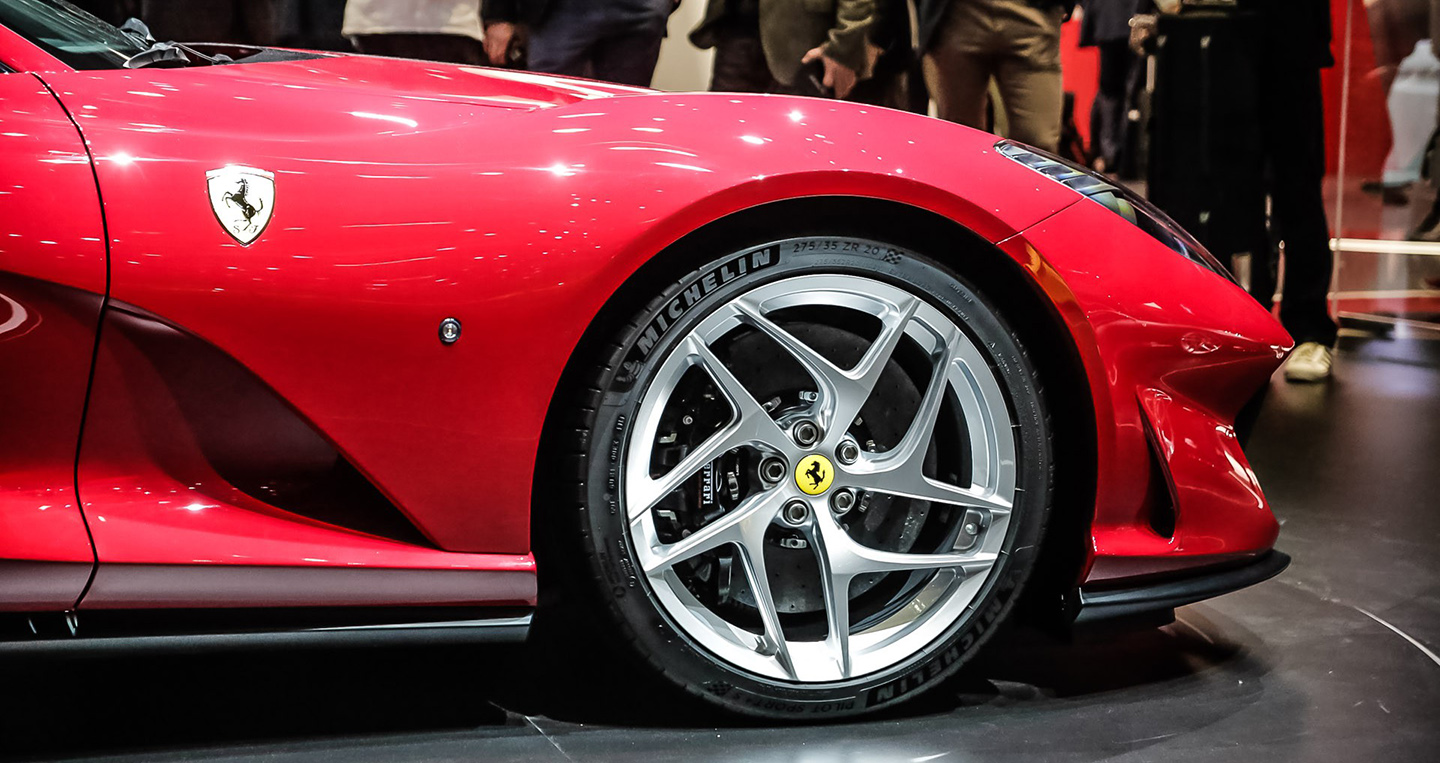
(237, 199)
(243, 199)
(814, 474)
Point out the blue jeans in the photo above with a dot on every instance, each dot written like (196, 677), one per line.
(612, 40)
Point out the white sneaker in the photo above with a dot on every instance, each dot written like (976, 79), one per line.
(1310, 362)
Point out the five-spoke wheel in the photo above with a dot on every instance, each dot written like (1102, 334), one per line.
(927, 564)
(804, 483)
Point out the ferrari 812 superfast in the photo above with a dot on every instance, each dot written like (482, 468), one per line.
(794, 402)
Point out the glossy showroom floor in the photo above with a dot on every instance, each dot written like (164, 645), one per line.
(1333, 661)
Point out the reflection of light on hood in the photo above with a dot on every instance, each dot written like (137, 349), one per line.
(653, 148)
(573, 87)
(690, 167)
(385, 117)
(17, 316)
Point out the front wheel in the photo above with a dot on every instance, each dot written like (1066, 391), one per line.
(814, 476)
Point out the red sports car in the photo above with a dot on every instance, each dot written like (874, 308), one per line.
(798, 400)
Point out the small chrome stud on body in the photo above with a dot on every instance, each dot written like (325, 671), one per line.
(449, 331)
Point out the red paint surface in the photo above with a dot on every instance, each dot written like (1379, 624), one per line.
(52, 276)
(1178, 349)
(404, 208)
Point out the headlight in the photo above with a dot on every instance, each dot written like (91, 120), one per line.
(1116, 198)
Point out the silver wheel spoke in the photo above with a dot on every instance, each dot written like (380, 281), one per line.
(757, 510)
(754, 421)
(867, 372)
(751, 425)
(842, 393)
(752, 554)
(825, 373)
(648, 491)
(900, 471)
(847, 558)
(911, 447)
(871, 560)
(835, 589)
(910, 483)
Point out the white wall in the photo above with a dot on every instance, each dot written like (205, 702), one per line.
(683, 66)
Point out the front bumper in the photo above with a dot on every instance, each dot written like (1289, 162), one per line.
(1102, 604)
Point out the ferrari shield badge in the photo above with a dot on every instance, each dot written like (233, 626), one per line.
(243, 199)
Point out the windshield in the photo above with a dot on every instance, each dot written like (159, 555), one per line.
(69, 34)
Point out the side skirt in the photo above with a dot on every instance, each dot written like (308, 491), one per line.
(172, 631)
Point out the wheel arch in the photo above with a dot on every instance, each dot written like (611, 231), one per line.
(1005, 282)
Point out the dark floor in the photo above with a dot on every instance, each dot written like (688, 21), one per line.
(1333, 661)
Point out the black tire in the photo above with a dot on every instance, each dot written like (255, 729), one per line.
(602, 408)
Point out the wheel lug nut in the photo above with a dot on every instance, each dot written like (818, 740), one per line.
(772, 470)
(848, 452)
(806, 433)
(842, 501)
(795, 513)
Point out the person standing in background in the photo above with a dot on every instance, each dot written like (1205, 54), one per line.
(1396, 26)
(290, 23)
(612, 40)
(896, 80)
(1294, 44)
(1429, 227)
(1105, 24)
(436, 30)
(1017, 42)
(763, 46)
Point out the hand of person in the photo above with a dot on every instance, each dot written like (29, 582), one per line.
(1143, 26)
(838, 76)
(872, 54)
(498, 36)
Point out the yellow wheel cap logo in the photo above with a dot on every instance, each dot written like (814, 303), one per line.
(814, 474)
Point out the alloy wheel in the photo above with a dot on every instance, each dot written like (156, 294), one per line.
(893, 446)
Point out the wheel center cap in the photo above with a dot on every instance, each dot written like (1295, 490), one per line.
(814, 474)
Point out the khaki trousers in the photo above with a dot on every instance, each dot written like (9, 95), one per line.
(1017, 45)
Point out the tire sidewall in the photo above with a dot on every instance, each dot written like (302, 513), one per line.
(644, 345)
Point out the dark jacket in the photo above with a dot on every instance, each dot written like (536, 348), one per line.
(1106, 20)
(528, 12)
(931, 12)
(1294, 32)
(789, 28)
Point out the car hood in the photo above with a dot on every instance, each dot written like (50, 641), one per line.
(429, 81)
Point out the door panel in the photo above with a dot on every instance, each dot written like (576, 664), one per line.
(52, 284)
(219, 464)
